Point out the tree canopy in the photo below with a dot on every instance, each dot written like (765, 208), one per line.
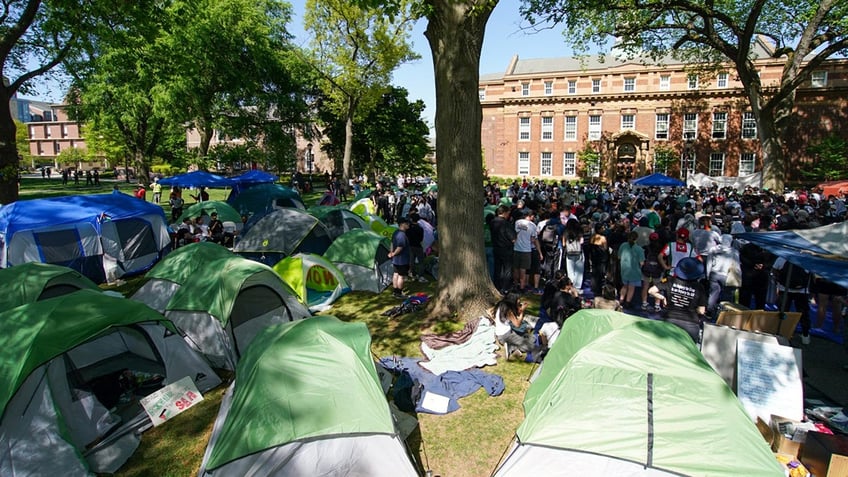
(803, 34)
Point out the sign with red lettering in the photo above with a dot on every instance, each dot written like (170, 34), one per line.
(171, 400)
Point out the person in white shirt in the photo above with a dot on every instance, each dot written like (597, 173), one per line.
(525, 243)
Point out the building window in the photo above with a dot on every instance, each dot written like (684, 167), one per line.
(549, 88)
(665, 82)
(747, 162)
(721, 80)
(64, 130)
(749, 126)
(523, 129)
(571, 128)
(547, 128)
(482, 94)
(692, 81)
(716, 164)
(818, 79)
(629, 85)
(525, 89)
(32, 132)
(572, 86)
(719, 125)
(596, 85)
(690, 126)
(523, 163)
(628, 121)
(48, 131)
(594, 128)
(57, 148)
(569, 164)
(546, 164)
(662, 126)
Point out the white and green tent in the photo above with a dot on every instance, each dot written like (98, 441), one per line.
(363, 258)
(65, 410)
(218, 299)
(34, 281)
(316, 282)
(623, 395)
(337, 219)
(307, 401)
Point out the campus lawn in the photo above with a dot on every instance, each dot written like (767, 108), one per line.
(466, 443)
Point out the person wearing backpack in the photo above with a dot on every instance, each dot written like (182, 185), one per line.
(575, 263)
(550, 236)
(794, 281)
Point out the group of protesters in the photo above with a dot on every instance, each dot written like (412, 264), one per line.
(677, 245)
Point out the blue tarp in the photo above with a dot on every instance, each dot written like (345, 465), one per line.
(821, 250)
(657, 180)
(198, 179)
(254, 177)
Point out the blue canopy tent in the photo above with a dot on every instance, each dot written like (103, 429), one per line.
(254, 177)
(821, 250)
(657, 180)
(198, 179)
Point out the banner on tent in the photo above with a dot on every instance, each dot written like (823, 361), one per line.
(740, 182)
(319, 278)
(171, 400)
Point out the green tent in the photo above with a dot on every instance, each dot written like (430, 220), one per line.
(306, 401)
(220, 300)
(363, 258)
(226, 212)
(363, 207)
(337, 219)
(34, 281)
(623, 395)
(60, 359)
(262, 198)
(316, 282)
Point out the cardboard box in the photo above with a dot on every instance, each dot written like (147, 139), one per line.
(825, 455)
(787, 435)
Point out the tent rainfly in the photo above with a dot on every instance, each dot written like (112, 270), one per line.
(66, 410)
(314, 279)
(259, 199)
(623, 395)
(363, 258)
(218, 299)
(102, 236)
(36, 281)
(306, 401)
(337, 219)
(282, 233)
(197, 179)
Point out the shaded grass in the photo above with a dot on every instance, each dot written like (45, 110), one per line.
(466, 443)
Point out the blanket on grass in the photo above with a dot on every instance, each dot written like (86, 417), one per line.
(476, 350)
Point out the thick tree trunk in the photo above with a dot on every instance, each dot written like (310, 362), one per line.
(455, 33)
(205, 133)
(774, 162)
(9, 159)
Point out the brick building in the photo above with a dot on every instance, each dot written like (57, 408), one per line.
(540, 113)
(50, 132)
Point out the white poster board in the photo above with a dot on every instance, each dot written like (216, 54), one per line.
(768, 380)
(719, 348)
(171, 400)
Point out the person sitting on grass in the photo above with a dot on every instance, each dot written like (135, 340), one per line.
(511, 328)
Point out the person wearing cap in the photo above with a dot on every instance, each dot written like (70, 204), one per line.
(684, 297)
(140, 192)
(401, 257)
(675, 251)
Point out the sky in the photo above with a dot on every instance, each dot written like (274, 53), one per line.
(504, 38)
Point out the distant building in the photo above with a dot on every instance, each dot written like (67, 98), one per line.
(540, 113)
(50, 132)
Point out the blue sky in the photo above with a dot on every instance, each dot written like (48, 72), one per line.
(504, 38)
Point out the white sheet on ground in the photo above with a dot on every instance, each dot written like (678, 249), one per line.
(478, 351)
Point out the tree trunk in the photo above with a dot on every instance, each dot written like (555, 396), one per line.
(348, 147)
(9, 159)
(455, 32)
(205, 133)
(774, 163)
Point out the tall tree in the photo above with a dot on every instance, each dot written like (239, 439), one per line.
(35, 36)
(355, 48)
(804, 34)
(391, 140)
(233, 59)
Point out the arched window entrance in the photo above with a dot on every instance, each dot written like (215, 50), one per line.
(625, 162)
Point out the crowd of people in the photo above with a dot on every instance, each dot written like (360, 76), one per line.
(669, 251)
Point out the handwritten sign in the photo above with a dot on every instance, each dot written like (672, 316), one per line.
(171, 400)
(768, 380)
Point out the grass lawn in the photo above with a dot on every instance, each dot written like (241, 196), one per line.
(466, 443)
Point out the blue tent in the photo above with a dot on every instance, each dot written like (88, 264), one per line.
(103, 236)
(197, 179)
(821, 250)
(657, 180)
(254, 177)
